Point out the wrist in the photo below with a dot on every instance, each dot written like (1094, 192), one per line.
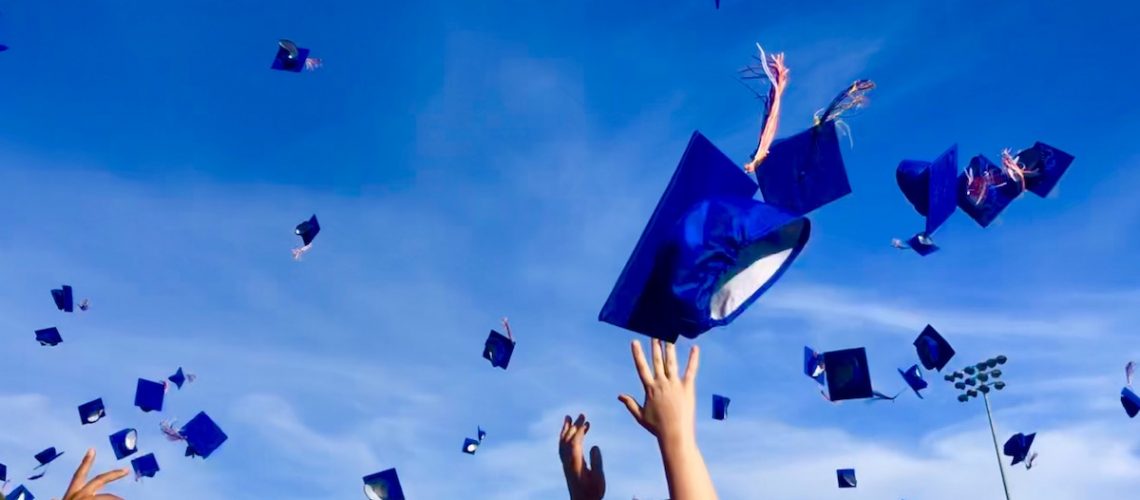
(677, 442)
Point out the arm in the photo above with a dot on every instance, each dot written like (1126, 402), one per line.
(669, 413)
(584, 483)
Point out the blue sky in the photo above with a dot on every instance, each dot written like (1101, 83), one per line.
(473, 161)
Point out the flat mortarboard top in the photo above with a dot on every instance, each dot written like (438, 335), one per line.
(708, 251)
(383, 485)
(1043, 166)
(124, 443)
(308, 230)
(49, 336)
(1130, 401)
(64, 299)
(1017, 446)
(933, 350)
(47, 456)
(179, 378)
(931, 187)
(720, 407)
(149, 395)
(145, 466)
(985, 190)
(848, 376)
(846, 478)
(913, 378)
(91, 411)
(202, 436)
(813, 365)
(290, 57)
(20, 493)
(498, 349)
(470, 445)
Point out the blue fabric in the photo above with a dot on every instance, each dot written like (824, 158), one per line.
(119, 444)
(470, 446)
(3, 473)
(1048, 163)
(1130, 402)
(848, 376)
(64, 299)
(308, 230)
(282, 62)
(997, 198)
(149, 395)
(387, 483)
(49, 336)
(178, 378)
(91, 409)
(498, 349)
(1017, 446)
(805, 171)
(913, 378)
(202, 436)
(704, 221)
(720, 407)
(811, 362)
(21, 493)
(921, 248)
(846, 478)
(47, 456)
(145, 466)
(933, 350)
(931, 187)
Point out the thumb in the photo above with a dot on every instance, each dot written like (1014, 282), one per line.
(631, 405)
(596, 461)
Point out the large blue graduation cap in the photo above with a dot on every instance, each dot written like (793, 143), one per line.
(63, 298)
(931, 187)
(933, 350)
(848, 374)
(1017, 446)
(383, 485)
(202, 436)
(708, 251)
(805, 171)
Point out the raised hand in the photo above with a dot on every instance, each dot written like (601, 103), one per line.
(669, 410)
(82, 489)
(584, 483)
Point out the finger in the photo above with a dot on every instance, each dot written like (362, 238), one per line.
(694, 364)
(658, 365)
(565, 427)
(632, 406)
(671, 360)
(639, 363)
(103, 479)
(80, 476)
(585, 429)
(578, 424)
(596, 461)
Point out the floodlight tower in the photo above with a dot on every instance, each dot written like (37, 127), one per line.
(984, 376)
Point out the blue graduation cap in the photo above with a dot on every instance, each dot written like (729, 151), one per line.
(3, 473)
(290, 57)
(383, 485)
(47, 456)
(933, 350)
(481, 434)
(180, 378)
(813, 365)
(931, 187)
(985, 190)
(913, 378)
(708, 251)
(470, 445)
(49, 336)
(1130, 402)
(1017, 446)
(805, 171)
(848, 376)
(145, 466)
(202, 436)
(20, 493)
(308, 230)
(149, 395)
(64, 300)
(846, 478)
(3, 47)
(91, 411)
(124, 443)
(922, 244)
(498, 349)
(720, 406)
(1043, 166)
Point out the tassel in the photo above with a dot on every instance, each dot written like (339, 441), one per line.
(507, 326)
(312, 63)
(298, 252)
(776, 72)
(168, 430)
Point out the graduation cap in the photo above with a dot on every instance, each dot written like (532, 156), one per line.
(1130, 401)
(145, 466)
(20, 493)
(47, 456)
(307, 230)
(498, 349)
(1017, 446)
(64, 300)
(470, 445)
(481, 434)
(985, 190)
(913, 378)
(848, 376)
(933, 350)
(3, 473)
(813, 365)
(202, 436)
(1041, 167)
(5, 47)
(49, 336)
(708, 251)
(720, 407)
(290, 57)
(846, 478)
(922, 244)
(124, 443)
(931, 188)
(383, 485)
(149, 394)
(91, 411)
(180, 378)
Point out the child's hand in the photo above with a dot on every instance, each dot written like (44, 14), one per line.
(584, 483)
(82, 489)
(669, 411)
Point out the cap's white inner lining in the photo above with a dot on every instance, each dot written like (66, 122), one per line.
(764, 258)
(373, 491)
(130, 440)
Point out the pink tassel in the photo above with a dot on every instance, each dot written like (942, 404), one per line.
(168, 430)
(897, 243)
(507, 326)
(312, 63)
(298, 252)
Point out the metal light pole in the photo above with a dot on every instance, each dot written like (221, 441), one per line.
(977, 375)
